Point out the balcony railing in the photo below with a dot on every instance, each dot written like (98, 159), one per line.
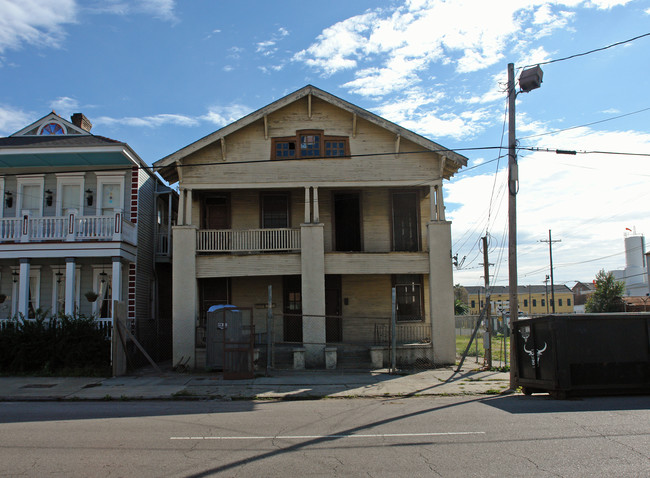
(68, 228)
(252, 240)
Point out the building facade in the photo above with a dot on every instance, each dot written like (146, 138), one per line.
(327, 203)
(533, 299)
(83, 222)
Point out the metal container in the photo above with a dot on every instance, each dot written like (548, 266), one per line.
(582, 354)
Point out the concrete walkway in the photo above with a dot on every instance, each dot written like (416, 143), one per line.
(282, 385)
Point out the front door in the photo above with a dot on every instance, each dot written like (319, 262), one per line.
(347, 222)
(333, 320)
(405, 221)
(292, 309)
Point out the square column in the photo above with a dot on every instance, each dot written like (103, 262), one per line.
(313, 293)
(184, 296)
(23, 288)
(116, 280)
(441, 292)
(70, 281)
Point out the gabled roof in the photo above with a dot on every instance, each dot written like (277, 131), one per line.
(28, 148)
(166, 166)
(33, 129)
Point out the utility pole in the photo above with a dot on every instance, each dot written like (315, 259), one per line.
(486, 271)
(550, 253)
(513, 185)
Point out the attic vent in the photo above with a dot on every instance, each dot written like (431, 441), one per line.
(80, 121)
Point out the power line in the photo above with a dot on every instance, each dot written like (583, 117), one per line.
(589, 52)
(586, 124)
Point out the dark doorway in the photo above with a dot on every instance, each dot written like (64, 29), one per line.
(292, 287)
(333, 320)
(216, 212)
(347, 222)
(405, 221)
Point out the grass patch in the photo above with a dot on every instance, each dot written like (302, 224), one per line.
(497, 347)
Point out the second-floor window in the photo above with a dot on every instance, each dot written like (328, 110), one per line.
(408, 289)
(309, 144)
(275, 210)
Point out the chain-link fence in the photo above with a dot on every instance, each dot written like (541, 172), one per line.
(499, 343)
(351, 343)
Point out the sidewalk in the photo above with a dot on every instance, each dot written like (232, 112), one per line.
(283, 385)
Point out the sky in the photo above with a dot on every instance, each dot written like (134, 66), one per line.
(161, 74)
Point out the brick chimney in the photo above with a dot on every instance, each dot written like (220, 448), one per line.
(80, 121)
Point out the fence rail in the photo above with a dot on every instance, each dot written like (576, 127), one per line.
(252, 240)
(404, 333)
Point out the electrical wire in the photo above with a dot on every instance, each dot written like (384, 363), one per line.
(588, 52)
(586, 124)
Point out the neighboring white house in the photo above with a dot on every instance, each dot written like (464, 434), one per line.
(332, 206)
(82, 213)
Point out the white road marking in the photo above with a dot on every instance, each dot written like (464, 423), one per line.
(312, 437)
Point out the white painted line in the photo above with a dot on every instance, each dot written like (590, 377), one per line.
(312, 437)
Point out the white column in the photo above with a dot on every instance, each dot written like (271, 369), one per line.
(316, 212)
(181, 207)
(307, 206)
(313, 293)
(184, 296)
(116, 281)
(441, 292)
(23, 288)
(188, 206)
(441, 204)
(70, 281)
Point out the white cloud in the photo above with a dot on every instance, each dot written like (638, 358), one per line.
(223, 115)
(34, 22)
(65, 106)
(572, 195)
(608, 4)
(267, 47)
(149, 121)
(161, 9)
(12, 119)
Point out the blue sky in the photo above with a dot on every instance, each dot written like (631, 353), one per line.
(160, 74)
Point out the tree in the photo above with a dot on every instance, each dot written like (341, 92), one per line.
(608, 296)
(461, 300)
(460, 307)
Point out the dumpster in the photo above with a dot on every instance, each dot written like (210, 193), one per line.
(583, 354)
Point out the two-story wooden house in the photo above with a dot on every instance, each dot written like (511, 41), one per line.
(83, 216)
(332, 206)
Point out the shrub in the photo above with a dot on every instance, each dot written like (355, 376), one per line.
(62, 345)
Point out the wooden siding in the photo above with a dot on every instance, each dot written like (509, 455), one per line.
(247, 265)
(144, 272)
(249, 144)
(377, 263)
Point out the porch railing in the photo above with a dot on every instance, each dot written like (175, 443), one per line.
(252, 240)
(71, 227)
(404, 333)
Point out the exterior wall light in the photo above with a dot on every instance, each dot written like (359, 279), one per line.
(49, 196)
(89, 197)
(9, 199)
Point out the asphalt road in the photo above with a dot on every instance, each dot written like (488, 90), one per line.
(444, 436)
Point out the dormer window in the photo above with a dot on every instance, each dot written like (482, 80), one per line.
(52, 129)
(310, 144)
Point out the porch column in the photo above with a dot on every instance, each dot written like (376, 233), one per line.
(116, 281)
(313, 293)
(70, 281)
(316, 218)
(307, 206)
(441, 292)
(181, 207)
(188, 207)
(184, 296)
(23, 288)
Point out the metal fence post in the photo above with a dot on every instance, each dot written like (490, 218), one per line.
(393, 345)
(269, 326)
